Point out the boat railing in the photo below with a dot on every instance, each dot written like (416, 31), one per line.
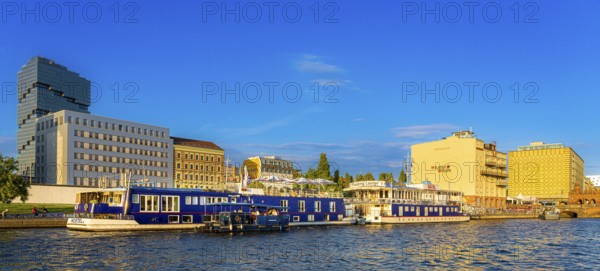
(307, 194)
(101, 216)
(397, 201)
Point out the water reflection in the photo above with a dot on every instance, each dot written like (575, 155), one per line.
(502, 244)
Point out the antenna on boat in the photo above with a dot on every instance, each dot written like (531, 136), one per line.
(226, 167)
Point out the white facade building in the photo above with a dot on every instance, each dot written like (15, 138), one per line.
(81, 149)
(595, 179)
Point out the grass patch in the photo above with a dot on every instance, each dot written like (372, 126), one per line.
(25, 208)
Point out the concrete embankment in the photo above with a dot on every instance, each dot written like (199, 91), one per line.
(33, 223)
(504, 216)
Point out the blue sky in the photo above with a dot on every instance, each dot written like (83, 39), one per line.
(354, 74)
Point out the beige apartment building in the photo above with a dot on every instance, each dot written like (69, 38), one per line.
(464, 163)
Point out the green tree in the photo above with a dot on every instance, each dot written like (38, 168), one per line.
(323, 170)
(368, 176)
(336, 176)
(296, 173)
(311, 173)
(11, 184)
(359, 177)
(388, 177)
(402, 179)
(256, 185)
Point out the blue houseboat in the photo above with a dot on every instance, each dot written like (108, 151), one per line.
(150, 208)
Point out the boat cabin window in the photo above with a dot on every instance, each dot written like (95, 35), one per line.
(112, 198)
(284, 204)
(148, 203)
(296, 218)
(332, 206)
(170, 203)
(173, 219)
(187, 219)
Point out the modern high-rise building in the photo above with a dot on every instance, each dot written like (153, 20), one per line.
(545, 171)
(76, 148)
(463, 163)
(44, 87)
(198, 164)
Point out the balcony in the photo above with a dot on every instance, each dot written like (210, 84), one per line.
(494, 172)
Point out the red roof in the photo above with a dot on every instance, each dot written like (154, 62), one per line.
(195, 143)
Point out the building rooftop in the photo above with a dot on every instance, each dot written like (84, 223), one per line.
(540, 146)
(195, 143)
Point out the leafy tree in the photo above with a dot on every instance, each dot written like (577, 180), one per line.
(11, 184)
(311, 173)
(388, 177)
(323, 170)
(402, 179)
(368, 176)
(359, 177)
(296, 173)
(336, 176)
(256, 185)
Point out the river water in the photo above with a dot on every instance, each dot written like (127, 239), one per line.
(571, 244)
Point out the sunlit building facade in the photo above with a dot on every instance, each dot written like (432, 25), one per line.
(198, 164)
(268, 166)
(545, 171)
(463, 163)
(76, 148)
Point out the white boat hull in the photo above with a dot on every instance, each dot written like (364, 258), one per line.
(94, 224)
(418, 219)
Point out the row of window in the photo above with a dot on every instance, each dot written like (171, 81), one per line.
(121, 139)
(117, 149)
(107, 169)
(198, 167)
(200, 177)
(302, 206)
(128, 162)
(116, 127)
(149, 203)
(42, 125)
(199, 157)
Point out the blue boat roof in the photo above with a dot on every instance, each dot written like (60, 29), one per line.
(245, 204)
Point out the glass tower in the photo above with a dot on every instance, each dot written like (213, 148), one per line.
(44, 87)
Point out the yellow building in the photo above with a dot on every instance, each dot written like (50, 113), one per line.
(268, 166)
(464, 163)
(198, 164)
(545, 171)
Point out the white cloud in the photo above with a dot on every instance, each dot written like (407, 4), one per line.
(317, 66)
(334, 82)
(419, 131)
(312, 63)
